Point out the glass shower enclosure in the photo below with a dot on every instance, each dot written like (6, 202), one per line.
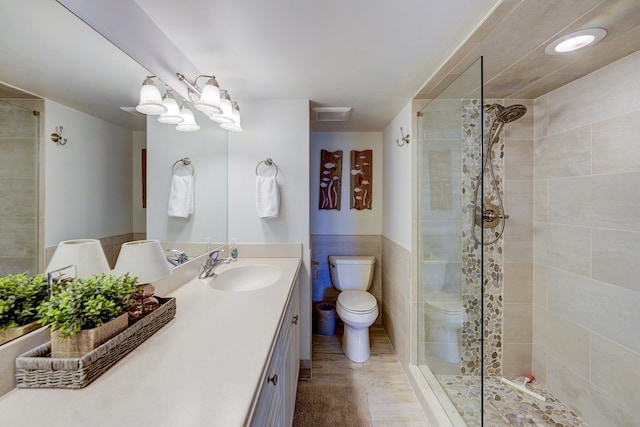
(450, 264)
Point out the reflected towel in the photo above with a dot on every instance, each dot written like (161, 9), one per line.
(181, 196)
(267, 197)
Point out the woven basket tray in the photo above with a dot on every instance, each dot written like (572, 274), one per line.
(36, 369)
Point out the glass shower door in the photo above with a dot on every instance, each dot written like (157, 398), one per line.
(449, 258)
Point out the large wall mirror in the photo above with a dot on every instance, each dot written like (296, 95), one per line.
(91, 187)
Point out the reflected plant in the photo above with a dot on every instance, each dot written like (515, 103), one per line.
(20, 298)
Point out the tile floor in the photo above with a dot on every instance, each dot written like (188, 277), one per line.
(391, 400)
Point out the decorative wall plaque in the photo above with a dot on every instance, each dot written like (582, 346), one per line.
(361, 173)
(330, 180)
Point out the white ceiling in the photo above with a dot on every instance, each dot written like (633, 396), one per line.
(371, 56)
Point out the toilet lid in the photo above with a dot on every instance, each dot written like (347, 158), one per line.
(357, 301)
(444, 302)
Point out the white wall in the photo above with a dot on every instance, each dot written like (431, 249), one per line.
(207, 149)
(346, 221)
(278, 129)
(397, 191)
(88, 180)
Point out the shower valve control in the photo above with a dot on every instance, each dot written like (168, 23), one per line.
(490, 216)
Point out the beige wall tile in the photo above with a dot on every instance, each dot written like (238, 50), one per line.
(616, 145)
(444, 119)
(616, 257)
(564, 154)
(616, 370)
(518, 323)
(561, 339)
(540, 201)
(540, 113)
(605, 309)
(594, 405)
(563, 246)
(598, 201)
(581, 102)
(518, 161)
(540, 285)
(517, 359)
(518, 282)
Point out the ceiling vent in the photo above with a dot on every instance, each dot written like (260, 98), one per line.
(330, 114)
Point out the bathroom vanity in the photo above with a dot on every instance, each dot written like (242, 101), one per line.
(230, 357)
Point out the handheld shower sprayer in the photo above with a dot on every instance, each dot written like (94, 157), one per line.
(491, 215)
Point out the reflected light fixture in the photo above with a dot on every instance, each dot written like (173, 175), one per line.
(189, 121)
(575, 41)
(225, 115)
(235, 115)
(150, 98)
(172, 116)
(209, 99)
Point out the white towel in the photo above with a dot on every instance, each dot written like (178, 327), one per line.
(267, 197)
(181, 196)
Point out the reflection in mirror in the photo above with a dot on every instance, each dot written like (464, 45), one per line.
(91, 187)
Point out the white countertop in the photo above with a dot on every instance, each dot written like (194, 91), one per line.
(201, 369)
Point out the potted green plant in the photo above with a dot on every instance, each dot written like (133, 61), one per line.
(85, 313)
(20, 297)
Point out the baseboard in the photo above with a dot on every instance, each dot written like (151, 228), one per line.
(305, 369)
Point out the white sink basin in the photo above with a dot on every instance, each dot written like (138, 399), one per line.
(245, 278)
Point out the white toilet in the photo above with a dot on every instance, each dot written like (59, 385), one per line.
(357, 308)
(444, 314)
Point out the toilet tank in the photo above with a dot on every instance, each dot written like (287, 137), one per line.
(351, 272)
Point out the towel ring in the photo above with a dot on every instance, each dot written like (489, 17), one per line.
(185, 162)
(268, 162)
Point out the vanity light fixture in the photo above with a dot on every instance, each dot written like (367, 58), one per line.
(172, 116)
(235, 115)
(188, 123)
(575, 41)
(150, 98)
(209, 99)
(225, 114)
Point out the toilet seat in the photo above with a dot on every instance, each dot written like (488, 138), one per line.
(444, 302)
(357, 302)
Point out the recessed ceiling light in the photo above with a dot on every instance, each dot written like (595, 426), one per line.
(575, 41)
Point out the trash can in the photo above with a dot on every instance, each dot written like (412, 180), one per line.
(326, 316)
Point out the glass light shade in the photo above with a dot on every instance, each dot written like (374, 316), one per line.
(225, 104)
(172, 115)
(189, 124)
(209, 102)
(85, 254)
(150, 99)
(235, 115)
(143, 259)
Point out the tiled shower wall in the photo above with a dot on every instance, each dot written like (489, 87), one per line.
(19, 214)
(587, 244)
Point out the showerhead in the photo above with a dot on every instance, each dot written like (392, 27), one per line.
(507, 114)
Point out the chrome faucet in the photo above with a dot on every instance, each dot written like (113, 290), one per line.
(179, 258)
(212, 262)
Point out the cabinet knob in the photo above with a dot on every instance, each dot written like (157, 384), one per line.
(295, 320)
(273, 379)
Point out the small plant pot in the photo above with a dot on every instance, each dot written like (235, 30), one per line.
(18, 331)
(86, 340)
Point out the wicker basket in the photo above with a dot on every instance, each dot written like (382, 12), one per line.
(36, 369)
